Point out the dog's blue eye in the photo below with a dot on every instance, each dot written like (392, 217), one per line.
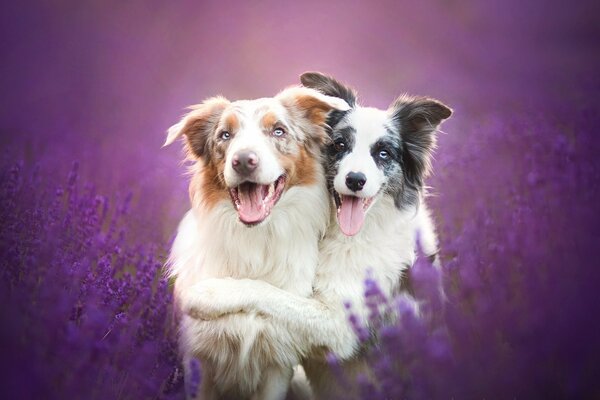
(384, 155)
(225, 135)
(278, 132)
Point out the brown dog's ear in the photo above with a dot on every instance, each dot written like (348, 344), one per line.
(310, 108)
(198, 124)
(417, 119)
(329, 86)
(310, 103)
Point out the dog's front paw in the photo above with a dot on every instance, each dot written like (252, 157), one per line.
(211, 299)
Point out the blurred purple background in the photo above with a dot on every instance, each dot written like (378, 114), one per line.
(516, 184)
(102, 81)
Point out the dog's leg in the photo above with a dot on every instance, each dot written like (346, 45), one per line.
(323, 381)
(428, 236)
(300, 388)
(340, 381)
(430, 244)
(275, 383)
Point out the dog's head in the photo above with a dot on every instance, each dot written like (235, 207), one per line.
(253, 151)
(374, 152)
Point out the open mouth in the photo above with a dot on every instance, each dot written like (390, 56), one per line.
(351, 212)
(254, 201)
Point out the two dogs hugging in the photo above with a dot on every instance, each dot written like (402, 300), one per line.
(296, 199)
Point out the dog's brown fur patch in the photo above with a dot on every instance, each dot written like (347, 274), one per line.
(301, 168)
(268, 121)
(232, 123)
(200, 124)
(207, 186)
(316, 110)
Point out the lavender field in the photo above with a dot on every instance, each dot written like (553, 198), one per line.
(90, 201)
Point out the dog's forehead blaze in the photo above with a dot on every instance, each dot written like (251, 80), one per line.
(370, 125)
(262, 113)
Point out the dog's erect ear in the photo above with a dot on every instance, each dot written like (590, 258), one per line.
(197, 125)
(417, 119)
(329, 86)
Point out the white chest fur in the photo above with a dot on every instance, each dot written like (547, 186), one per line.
(282, 251)
(382, 250)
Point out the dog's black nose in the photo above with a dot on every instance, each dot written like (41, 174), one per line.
(355, 181)
(244, 162)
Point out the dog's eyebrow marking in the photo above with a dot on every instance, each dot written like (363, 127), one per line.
(232, 122)
(390, 142)
(346, 131)
(269, 120)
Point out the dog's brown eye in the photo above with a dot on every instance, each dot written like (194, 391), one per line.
(339, 145)
(225, 135)
(278, 132)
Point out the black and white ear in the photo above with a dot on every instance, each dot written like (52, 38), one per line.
(329, 86)
(198, 124)
(417, 119)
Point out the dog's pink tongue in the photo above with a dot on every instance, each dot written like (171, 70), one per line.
(351, 215)
(252, 208)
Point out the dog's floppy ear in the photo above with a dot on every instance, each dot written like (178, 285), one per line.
(310, 104)
(314, 104)
(329, 86)
(197, 124)
(310, 109)
(417, 119)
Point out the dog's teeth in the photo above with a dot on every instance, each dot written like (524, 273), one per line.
(271, 189)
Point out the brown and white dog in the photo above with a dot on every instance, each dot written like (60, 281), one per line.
(259, 208)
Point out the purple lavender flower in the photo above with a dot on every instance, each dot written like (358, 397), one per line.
(193, 380)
